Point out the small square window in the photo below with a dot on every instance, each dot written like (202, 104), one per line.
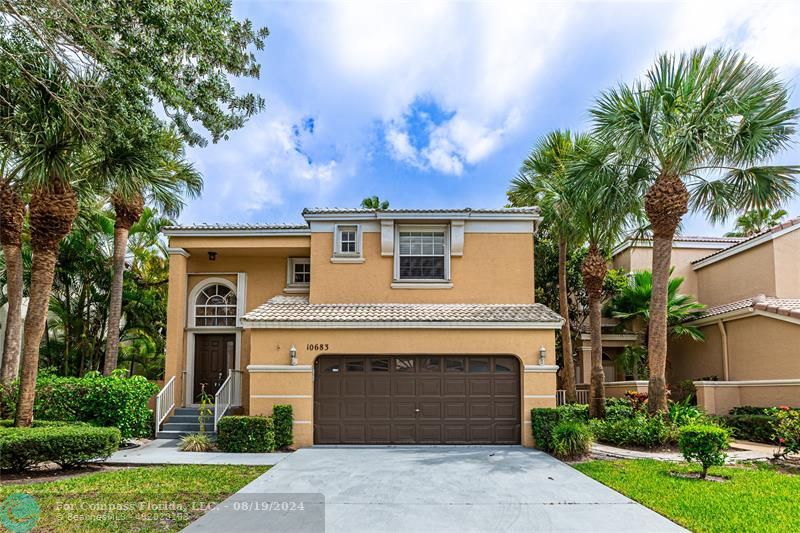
(347, 241)
(299, 272)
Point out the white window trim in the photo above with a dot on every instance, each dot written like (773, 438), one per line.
(201, 286)
(291, 285)
(419, 283)
(337, 241)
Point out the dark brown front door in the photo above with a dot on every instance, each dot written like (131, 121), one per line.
(213, 356)
(420, 399)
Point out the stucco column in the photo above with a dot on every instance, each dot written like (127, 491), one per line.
(586, 363)
(176, 321)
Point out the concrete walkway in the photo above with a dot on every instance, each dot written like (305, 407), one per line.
(429, 490)
(165, 452)
(738, 451)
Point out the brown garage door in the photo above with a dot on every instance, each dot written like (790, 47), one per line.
(421, 399)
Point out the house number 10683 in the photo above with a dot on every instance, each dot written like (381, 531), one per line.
(317, 347)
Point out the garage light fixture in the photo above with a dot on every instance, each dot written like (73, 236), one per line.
(293, 355)
(542, 355)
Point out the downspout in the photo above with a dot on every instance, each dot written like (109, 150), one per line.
(724, 335)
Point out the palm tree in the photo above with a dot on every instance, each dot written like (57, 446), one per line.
(373, 202)
(755, 221)
(704, 122)
(145, 165)
(605, 201)
(12, 217)
(49, 144)
(542, 182)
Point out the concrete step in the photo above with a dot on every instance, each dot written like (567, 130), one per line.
(174, 426)
(181, 411)
(179, 434)
(185, 419)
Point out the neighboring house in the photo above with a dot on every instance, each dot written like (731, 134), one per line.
(397, 326)
(751, 353)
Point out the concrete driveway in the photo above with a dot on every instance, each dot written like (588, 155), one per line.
(428, 489)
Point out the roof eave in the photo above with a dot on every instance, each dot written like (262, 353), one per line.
(270, 324)
(243, 232)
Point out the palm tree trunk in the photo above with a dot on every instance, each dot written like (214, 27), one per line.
(597, 391)
(52, 212)
(566, 337)
(115, 305)
(42, 273)
(13, 333)
(594, 271)
(12, 217)
(666, 202)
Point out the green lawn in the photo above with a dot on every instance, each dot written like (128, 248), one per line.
(145, 498)
(755, 498)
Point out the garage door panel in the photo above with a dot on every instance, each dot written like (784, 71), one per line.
(480, 386)
(427, 399)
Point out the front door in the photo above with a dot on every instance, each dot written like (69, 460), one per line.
(213, 356)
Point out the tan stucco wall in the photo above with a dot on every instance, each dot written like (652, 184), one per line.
(740, 276)
(787, 265)
(176, 319)
(495, 268)
(718, 398)
(271, 347)
(641, 258)
(688, 359)
(763, 348)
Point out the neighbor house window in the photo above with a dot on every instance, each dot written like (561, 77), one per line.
(299, 272)
(347, 241)
(422, 254)
(215, 306)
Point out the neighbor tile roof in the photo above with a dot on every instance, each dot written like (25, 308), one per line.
(297, 309)
(743, 241)
(226, 227)
(358, 210)
(778, 306)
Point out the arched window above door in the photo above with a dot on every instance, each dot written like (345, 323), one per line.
(215, 306)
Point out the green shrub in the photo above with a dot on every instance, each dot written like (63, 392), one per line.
(115, 400)
(282, 419)
(43, 423)
(749, 410)
(641, 430)
(571, 439)
(68, 446)
(705, 444)
(787, 430)
(685, 414)
(198, 442)
(544, 419)
(245, 434)
(618, 408)
(752, 427)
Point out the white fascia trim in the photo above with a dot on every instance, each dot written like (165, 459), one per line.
(237, 232)
(792, 319)
(278, 368)
(422, 285)
(178, 251)
(257, 324)
(422, 215)
(639, 383)
(612, 336)
(532, 369)
(751, 383)
(540, 396)
(741, 247)
(351, 260)
(725, 317)
(677, 243)
(296, 290)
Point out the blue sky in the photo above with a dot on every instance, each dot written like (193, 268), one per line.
(435, 104)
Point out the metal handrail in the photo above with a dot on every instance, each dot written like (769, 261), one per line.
(165, 402)
(223, 398)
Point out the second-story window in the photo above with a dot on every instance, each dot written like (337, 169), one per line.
(347, 241)
(299, 271)
(422, 254)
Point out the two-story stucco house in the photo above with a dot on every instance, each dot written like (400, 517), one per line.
(396, 326)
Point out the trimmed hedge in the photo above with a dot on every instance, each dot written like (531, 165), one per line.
(752, 427)
(114, 400)
(44, 424)
(544, 419)
(705, 444)
(282, 419)
(641, 430)
(68, 446)
(246, 434)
